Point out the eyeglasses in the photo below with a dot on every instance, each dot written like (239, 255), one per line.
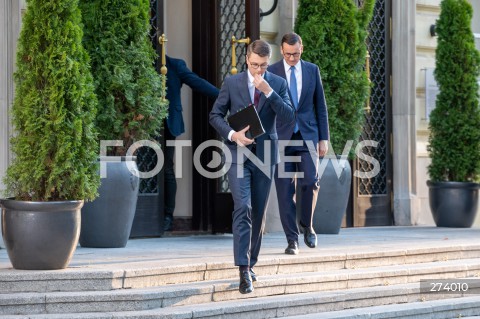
(289, 55)
(256, 65)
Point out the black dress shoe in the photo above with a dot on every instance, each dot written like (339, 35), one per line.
(245, 286)
(253, 275)
(309, 237)
(167, 223)
(292, 248)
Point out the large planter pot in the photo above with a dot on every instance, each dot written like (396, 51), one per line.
(453, 204)
(2, 244)
(40, 235)
(107, 221)
(332, 200)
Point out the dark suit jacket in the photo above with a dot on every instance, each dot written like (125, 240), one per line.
(177, 74)
(234, 95)
(311, 115)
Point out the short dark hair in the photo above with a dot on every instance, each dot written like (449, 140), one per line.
(260, 47)
(291, 38)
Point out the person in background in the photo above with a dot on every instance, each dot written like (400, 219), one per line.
(178, 74)
(250, 183)
(311, 125)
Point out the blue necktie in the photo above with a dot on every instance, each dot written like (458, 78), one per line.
(293, 92)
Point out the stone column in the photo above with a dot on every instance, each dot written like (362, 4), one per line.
(4, 86)
(10, 21)
(403, 111)
(269, 28)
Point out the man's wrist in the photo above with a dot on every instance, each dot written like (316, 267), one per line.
(230, 135)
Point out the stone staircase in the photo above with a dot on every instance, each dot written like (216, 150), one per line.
(381, 284)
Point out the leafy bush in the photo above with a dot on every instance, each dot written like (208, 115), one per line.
(454, 141)
(126, 83)
(55, 144)
(334, 34)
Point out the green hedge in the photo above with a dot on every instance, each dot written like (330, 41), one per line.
(334, 34)
(454, 142)
(55, 144)
(127, 86)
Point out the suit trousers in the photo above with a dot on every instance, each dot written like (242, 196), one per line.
(308, 186)
(250, 196)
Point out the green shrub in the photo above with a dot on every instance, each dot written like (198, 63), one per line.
(334, 34)
(127, 86)
(55, 144)
(454, 142)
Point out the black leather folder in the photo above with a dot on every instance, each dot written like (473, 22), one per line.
(244, 117)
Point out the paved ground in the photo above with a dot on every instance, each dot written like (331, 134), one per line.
(194, 249)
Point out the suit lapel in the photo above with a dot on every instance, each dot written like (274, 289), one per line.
(243, 89)
(307, 81)
(280, 71)
(263, 99)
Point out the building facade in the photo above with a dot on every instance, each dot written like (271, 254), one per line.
(408, 53)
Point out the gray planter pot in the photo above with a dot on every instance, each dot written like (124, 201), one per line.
(453, 204)
(107, 221)
(332, 200)
(2, 244)
(40, 235)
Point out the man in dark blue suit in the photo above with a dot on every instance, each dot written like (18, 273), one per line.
(249, 179)
(308, 137)
(178, 74)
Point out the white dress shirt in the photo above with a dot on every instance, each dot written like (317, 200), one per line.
(298, 76)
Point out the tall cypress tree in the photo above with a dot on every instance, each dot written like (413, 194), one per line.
(55, 144)
(334, 34)
(454, 142)
(127, 86)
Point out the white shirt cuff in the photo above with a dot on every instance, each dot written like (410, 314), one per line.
(269, 94)
(230, 135)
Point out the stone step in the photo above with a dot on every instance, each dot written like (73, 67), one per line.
(406, 300)
(152, 274)
(227, 290)
(465, 308)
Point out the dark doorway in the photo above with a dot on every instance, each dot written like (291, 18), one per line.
(214, 22)
(148, 219)
(372, 202)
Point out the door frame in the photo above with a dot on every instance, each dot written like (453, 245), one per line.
(211, 209)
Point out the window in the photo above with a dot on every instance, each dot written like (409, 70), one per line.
(476, 21)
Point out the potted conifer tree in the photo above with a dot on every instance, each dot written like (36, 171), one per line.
(334, 34)
(54, 145)
(130, 109)
(454, 141)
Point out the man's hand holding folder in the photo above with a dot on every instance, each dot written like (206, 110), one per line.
(247, 122)
(240, 138)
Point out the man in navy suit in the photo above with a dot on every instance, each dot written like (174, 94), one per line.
(249, 179)
(178, 74)
(308, 137)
